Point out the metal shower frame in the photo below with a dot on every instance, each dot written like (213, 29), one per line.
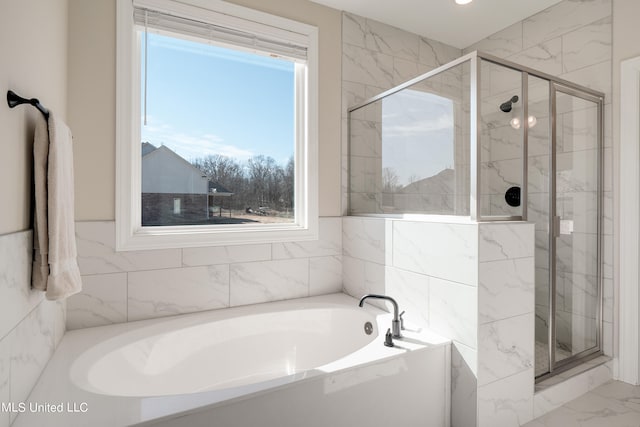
(556, 84)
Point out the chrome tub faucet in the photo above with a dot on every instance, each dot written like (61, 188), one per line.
(396, 322)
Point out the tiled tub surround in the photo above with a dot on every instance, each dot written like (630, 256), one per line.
(296, 381)
(128, 286)
(471, 282)
(31, 327)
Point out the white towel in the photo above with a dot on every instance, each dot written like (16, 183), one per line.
(55, 265)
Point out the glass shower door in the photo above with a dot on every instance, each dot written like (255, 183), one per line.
(575, 225)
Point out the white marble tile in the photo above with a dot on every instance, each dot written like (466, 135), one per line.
(97, 255)
(411, 291)
(506, 289)
(5, 396)
(505, 347)
(60, 315)
(325, 275)
(365, 66)
(364, 238)
(352, 94)
(626, 394)
(392, 41)
(545, 57)
(453, 311)
(587, 45)
(447, 251)
(597, 410)
(353, 29)
(508, 402)
(504, 43)
(435, 53)
(192, 257)
(353, 276)
(17, 298)
(505, 241)
(32, 348)
(366, 138)
(562, 18)
(464, 385)
(257, 282)
(168, 292)
(559, 394)
(103, 301)
(596, 77)
(404, 70)
(328, 244)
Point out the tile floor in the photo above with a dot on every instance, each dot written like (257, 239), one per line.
(614, 404)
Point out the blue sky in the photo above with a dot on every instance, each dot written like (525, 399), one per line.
(204, 99)
(417, 134)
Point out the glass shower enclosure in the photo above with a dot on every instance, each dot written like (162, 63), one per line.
(491, 140)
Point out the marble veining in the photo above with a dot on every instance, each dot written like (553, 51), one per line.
(453, 311)
(613, 404)
(505, 240)
(103, 301)
(588, 45)
(505, 347)
(506, 289)
(464, 385)
(97, 255)
(325, 275)
(411, 291)
(440, 250)
(507, 402)
(35, 336)
(364, 238)
(258, 282)
(15, 280)
(562, 18)
(192, 257)
(168, 292)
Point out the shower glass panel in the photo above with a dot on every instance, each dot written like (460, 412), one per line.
(501, 141)
(576, 224)
(409, 151)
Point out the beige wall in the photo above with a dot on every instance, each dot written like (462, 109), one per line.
(33, 48)
(92, 99)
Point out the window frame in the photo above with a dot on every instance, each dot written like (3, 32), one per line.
(130, 234)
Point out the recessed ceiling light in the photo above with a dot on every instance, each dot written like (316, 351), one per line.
(463, 1)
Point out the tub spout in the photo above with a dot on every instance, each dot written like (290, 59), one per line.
(395, 323)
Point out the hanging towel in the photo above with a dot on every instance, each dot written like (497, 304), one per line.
(55, 265)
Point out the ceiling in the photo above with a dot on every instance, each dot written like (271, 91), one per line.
(444, 20)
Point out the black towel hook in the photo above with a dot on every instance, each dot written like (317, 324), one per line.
(13, 100)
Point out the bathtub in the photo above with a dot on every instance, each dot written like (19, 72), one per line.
(305, 362)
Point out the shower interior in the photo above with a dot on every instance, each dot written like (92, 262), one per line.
(491, 140)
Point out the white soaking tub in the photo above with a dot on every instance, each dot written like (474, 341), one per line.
(305, 362)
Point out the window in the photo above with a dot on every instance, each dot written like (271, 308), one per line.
(216, 126)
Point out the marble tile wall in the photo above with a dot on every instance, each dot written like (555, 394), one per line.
(31, 327)
(470, 282)
(571, 40)
(128, 286)
(506, 292)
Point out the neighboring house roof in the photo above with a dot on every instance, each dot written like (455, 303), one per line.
(219, 190)
(147, 148)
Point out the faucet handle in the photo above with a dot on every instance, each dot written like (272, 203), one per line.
(401, 321)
